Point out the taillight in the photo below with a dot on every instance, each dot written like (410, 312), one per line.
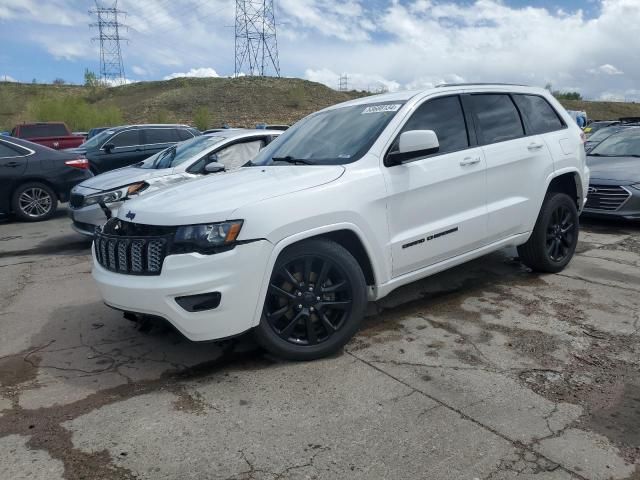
(81, 163)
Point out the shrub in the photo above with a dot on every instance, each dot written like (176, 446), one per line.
(296, 97)
(160, 116)
(75, 112)
(201, 118)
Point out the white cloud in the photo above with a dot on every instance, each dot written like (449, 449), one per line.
(7, 78)
(194, 72)
(139, 70)
(52, 12)
(355, 81)
(606, 69)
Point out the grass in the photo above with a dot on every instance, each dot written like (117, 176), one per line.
(240, 102)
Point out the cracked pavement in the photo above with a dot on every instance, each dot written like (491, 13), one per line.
(483, 372)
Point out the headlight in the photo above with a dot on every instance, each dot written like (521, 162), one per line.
(207, 238)
(116, 194)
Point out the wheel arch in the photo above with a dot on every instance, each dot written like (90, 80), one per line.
(347, 235)
(568, 182)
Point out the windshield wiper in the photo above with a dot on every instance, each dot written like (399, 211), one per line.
(292, 160)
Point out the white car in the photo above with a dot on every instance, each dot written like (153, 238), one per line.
(95, 200)
(349, 204)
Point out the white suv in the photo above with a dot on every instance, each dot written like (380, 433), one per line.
(347, 205)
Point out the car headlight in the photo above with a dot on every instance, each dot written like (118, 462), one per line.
(115, 194)
(206, 238)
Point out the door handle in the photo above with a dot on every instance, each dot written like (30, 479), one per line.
(11, 164)
(535, 146)
(468, 161)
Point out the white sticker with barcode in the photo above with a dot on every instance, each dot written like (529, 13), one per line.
(382, 108)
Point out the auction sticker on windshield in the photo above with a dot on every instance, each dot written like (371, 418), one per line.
(382, 108)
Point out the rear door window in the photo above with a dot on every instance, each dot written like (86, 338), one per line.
(128, 138)
(161, 135)
(444, 116)
(539, 116)
(184, 134)
(497, 118)
(7, 151)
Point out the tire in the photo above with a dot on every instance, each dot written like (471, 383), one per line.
(554, 237)
(34, 202)
(315, 303)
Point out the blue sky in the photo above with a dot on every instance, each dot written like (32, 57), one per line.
(391, 44)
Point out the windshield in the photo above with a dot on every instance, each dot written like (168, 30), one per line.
(98, 140)
(603, 133)
(622, 144)
(332, 137)
(174, 156)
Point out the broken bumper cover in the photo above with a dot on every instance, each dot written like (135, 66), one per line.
(236, 274)
(86, 219)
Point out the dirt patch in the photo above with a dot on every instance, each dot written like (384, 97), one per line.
(16, 370)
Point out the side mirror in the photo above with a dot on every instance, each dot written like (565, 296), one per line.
(214, 167)
(108, 147)
(413, 144)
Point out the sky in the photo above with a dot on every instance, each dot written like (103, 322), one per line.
(590, 46)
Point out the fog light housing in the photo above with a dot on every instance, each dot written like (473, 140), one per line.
(200, 302)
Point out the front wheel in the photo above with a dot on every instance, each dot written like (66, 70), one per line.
(315, 302)
(554, 237)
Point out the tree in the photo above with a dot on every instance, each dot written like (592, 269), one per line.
(201, 118)
(59, 81)
(90, 78)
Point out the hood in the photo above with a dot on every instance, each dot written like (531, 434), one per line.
(214, 198)
(625, 170)
(123, 176)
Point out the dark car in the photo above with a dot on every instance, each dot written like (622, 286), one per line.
(597, 125)
(34, 178)
(119, 147)
(94, 131)
(604, 133)
(614, 188)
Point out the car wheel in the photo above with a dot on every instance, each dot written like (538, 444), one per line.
(315, 302)
(554, 237)
(34, 201)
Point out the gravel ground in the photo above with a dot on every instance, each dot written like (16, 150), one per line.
(486, 371)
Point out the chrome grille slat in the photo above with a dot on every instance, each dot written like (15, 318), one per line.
(606, 197)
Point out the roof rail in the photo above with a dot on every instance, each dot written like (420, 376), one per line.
(476, 84)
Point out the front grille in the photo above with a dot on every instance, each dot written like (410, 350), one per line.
(132, 248)
(607, 198)
(76, 200)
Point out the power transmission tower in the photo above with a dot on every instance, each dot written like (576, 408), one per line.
(344, 83)
(256, 43)
(109, 27)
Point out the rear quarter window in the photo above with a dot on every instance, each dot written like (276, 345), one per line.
(539, 116)
(497, 117)
(161, 135)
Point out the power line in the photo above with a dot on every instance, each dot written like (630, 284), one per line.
(256, 45)
(344, 83)
(108, 25)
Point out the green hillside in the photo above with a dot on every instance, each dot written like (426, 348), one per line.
(239, 102)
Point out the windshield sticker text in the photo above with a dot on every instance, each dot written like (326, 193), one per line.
(382, 108)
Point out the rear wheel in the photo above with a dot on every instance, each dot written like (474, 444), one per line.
(34, 201)
(555, 235)
(315, 302)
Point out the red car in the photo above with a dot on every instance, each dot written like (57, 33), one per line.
(50, 134)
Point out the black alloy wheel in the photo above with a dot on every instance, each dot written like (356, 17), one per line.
(308, 300)
(315, 301)
(560, 233)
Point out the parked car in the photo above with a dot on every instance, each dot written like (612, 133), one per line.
(347, 205)
(121, 146)
(94, 131)
(614, 189)
(81, 134)
(94, 201)
(606, 132)
(54, 135)
(35, 178)
(597, 125)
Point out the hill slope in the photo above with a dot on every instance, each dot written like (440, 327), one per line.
(241, 101)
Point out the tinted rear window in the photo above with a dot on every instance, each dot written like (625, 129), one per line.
(35, 131)
(161, 135)
(498, 118)
(127, 138)
(10, 151)
(185, 134)
(444, 116)
(539, 115)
